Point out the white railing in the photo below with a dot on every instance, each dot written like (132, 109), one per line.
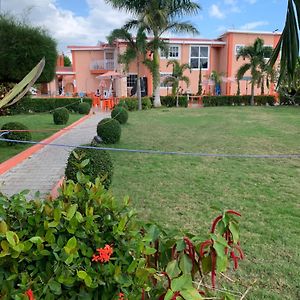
(107, 64)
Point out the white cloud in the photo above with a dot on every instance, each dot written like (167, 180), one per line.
(253, 25)
(216, 12)
(66, 27)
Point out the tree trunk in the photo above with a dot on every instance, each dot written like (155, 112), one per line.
(138, 85)
(262, 87)
(156, 79)
(177, 102)
(252, 94)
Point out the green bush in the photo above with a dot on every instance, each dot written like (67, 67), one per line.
(286, 101)
(120, 114)
(60, 116)
(122, 103)
(84, 108)
(170, 101)
(99, 165)
(132, 103)
(28, 104)
(17, 135)
(237, 100)
(88, 245)
(109, 130)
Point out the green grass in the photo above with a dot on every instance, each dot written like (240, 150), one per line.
(179, 192)
(35, 121)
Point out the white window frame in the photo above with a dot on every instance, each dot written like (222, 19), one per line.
(208, 56)
(268, 58)
(161, 82)
(130, 74)
(171, 57)
(236, 46)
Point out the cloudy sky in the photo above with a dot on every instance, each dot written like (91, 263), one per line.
(85, 22)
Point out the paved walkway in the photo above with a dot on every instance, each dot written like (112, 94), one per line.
(42, 170)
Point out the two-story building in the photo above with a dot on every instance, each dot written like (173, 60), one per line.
(88, 62)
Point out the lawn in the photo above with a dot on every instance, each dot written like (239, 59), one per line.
(180, 192)
(35, 121)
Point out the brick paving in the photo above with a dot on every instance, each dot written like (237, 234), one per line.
(42, 170)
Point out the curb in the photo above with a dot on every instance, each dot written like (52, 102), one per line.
(17, 159)
(54, 192)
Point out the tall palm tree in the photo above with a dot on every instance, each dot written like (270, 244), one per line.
(136, 49)
(158, 17)
(176, 77)
(288, 43)
(255, 54)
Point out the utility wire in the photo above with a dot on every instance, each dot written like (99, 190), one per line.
(158, 152)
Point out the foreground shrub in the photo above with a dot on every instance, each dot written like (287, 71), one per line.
(120, 114)
(16, 135)
(93, 163)
(87, 245)
(170, 101)
(84, 108)
(122, 103)
(60, 116)
(109, 130)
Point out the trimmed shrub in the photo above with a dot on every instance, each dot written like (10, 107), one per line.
(237, 100)
(109, 130)
(120, 114)
(84, 108)
(28, 104)
(170, 101)
(60, 116)
(132, 103)
(99, 165)
(286, 101)
(17, 135)
(146, 103)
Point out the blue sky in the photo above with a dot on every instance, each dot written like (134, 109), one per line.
(85, 22)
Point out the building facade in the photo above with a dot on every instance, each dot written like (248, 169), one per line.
(88, 62)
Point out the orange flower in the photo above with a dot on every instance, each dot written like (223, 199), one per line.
(29, 294)
(104, 254)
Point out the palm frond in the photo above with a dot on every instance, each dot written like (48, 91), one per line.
(242, 70)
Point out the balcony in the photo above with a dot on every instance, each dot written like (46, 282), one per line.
(102, 66)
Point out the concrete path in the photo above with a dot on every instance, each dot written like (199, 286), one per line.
(42, 170)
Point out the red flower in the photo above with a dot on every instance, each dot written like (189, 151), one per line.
(104, 254)
(121, 296)
(29, 294)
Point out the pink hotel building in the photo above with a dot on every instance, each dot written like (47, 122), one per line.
(88, 62)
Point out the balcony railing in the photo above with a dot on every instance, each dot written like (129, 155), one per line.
(107, 64)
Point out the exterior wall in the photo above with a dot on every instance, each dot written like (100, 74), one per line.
(222, 58)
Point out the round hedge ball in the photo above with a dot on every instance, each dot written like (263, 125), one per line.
(60, 116)
(120, 114)
(84, 108)
(100, 165)
(16, 135)
(109, 130)
(122, 103)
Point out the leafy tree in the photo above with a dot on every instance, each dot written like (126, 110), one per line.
(158, 17)
(256, 64)
(177, 76)
(288, 43)
(22, 47)
(67, 61)
(136, 49)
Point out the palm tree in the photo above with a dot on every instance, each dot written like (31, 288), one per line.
(158, 17)
(216, 78)
(136, 49)
(288, 43)
(255, 54)
(176, 77)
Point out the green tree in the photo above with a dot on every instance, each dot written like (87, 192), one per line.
(177, 76)
(67, 61)
(216, 78)
(288, 43)
(158, 17)
(22, 47)
(136, 50)
(255, 54)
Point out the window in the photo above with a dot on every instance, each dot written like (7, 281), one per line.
(163, 76)
(173, 52)
(199, 56)
(238, 48)
(109, 55)
(131, 80)
(268, 52)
